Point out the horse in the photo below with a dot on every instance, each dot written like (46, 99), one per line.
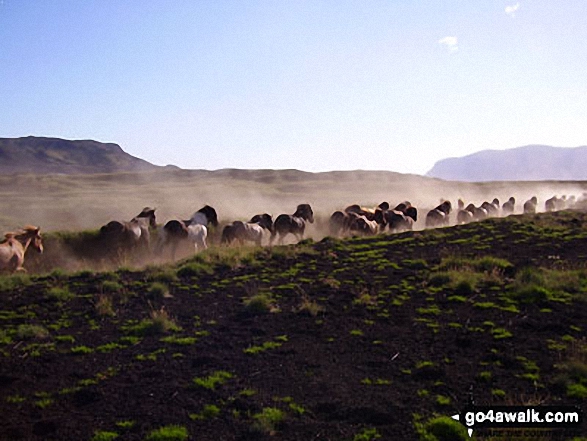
(195, 229)
(508, 207)
(408, 210)
(132, 234)
(362, 225)
(204, 216)
(491, 207)
(338, 223)
(401, 218)
(399, 221)
(252, 231)
(292, 223)
(464, 216)
(555, 204)
(530, 205)
(15, 245)
(439, 215)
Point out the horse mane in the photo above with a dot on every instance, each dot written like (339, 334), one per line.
(8, 236)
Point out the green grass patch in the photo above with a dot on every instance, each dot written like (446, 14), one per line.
(168, 433)
(261, 348)
(104, 436)
(268, 420)
(217, 378)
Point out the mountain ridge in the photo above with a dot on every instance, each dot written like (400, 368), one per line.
(536, 162)
(45, 155)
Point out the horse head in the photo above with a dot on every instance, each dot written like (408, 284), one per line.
(412, 212)
(33, 234)
(148, 213)
(305, 212)
(264, 220)
(355, 208)
(210, 214)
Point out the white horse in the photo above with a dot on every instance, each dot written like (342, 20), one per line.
(252, 231)
(195, 229)
(197, 234)
(15, 245)
(243, 231)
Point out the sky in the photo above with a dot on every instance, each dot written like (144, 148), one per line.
(312, 85)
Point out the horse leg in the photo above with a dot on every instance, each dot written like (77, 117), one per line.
(173, 250)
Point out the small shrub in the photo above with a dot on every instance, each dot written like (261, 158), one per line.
(125, 424)
(103, 306)
(260, 303)
(577, 390)
(367, 435)
(215, 379)
(439, 279)
(268, 420)
(161, 322)
(43, 403)
(28, 332)
(180, 341)
(194, 269)
(104, 436)
(210, 411)
(531, 294)
(443, 428)
(168, 433)
(500, 333)
(310, 307)
(484, 376)
(465, 287)
(498, 393)
(81, 350)
(111, 287)
(8, 283)
(59, 294)
(158, 291)
(261, 348)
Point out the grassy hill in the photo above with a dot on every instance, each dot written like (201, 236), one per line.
(357, 339)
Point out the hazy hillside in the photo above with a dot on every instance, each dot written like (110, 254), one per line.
(53, 155)
(78, 201)
(528, 163)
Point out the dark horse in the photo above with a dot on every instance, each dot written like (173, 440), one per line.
(132, 234)
(292, 223)
(439, 215)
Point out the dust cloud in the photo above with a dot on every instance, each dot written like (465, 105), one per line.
(72, 203)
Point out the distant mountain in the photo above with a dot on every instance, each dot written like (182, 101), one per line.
(53, 155)
(528, 163)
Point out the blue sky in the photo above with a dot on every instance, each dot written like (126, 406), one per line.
(313, 85)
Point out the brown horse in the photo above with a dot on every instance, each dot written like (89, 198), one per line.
(15, 245)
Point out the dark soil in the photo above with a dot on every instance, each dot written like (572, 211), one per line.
(386, 347)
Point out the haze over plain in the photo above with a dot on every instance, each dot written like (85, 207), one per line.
(309, 85)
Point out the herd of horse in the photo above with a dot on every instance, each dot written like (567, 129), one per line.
(353, 220)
